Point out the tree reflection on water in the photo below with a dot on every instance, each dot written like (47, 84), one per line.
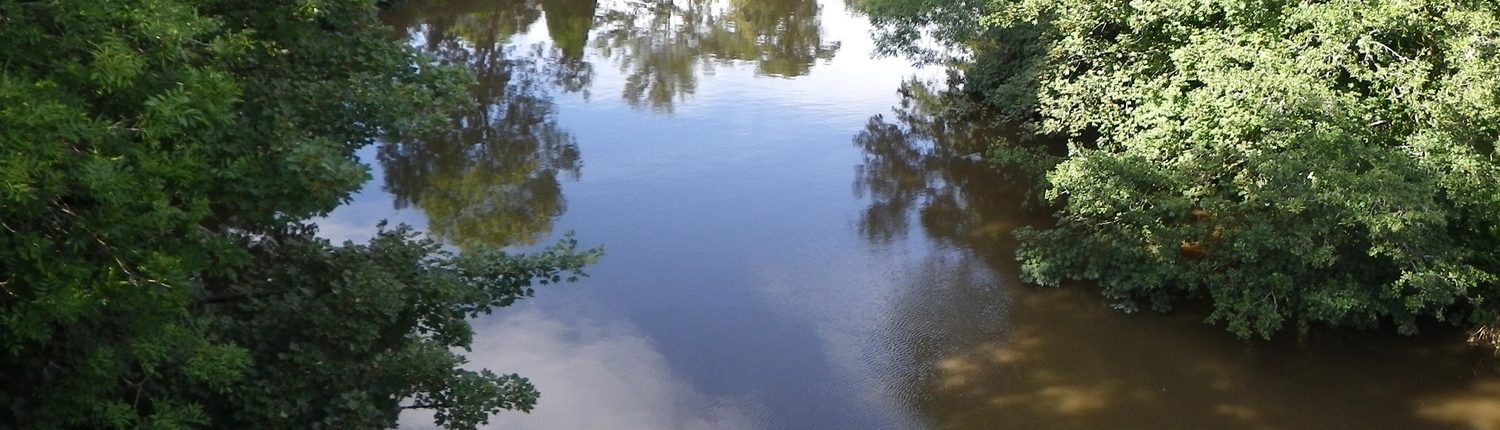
(977, 349)
(916, 161)
(492, 177)
(662, 45)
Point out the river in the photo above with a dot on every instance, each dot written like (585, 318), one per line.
(793, 242)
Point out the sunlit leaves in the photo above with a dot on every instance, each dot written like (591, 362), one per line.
(1298, 163)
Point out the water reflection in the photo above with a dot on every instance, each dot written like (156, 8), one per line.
(662, 45)
(569, 23)
(595, 375)
(913, 162)
(492, 177)
(480, 23)
(975, 349)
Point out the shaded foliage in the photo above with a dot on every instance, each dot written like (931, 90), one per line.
(361, 327)
(160, 159)
(927, 31)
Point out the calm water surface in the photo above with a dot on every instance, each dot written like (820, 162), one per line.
(793, 243)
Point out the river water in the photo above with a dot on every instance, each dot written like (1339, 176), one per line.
(794, 243)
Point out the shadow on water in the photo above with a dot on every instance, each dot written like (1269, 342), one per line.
(492, 178)
(972, 347)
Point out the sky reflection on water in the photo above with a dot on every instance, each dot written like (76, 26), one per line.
(786, 250)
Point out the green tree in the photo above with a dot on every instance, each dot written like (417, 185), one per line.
(1304, 163)
(160, 158)
(928, 31)
(349, 336)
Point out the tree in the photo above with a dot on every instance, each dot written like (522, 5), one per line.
(1304, 163)
(349, 336)
(160, 160)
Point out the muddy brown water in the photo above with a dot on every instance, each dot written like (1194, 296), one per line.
(792, 244)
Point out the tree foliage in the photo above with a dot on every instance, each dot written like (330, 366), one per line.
(1299, 163)
(160, 159)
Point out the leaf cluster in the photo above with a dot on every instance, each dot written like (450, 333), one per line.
(1295, 162)
(158, 161)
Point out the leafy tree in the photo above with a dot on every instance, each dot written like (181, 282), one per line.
(928, 31)
(160, 159)
(349, 336)
(1296, 162)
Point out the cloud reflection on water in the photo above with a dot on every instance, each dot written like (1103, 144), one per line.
(594, 375)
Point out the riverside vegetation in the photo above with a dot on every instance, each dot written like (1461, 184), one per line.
(1297, 164)
(162, 160)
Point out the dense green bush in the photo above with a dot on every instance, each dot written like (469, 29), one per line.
(158, 162)
(1328, 162)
